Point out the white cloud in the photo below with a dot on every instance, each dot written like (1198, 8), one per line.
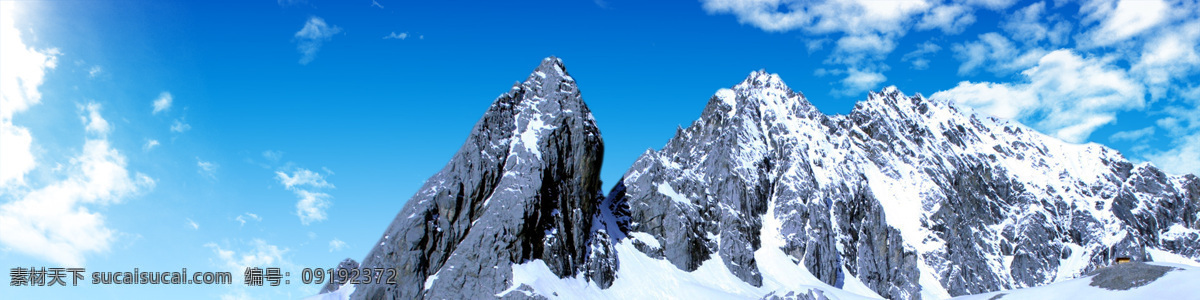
(1182, 158)
(206, 168)
(24, 68)
(1132, 135)
(162, 103)
(951, 19)
(992, 4)
(179, 126)
(310, 38)
(150, 144)
(261, 254)
(16, 152)
(193, 224)
(1070, 96)
(336, 245)
(857, 81)
(917, 57)
(394, 36)
(94, 71)
(866, 31)
(1172, 54)
(312, 204)
(850, 16)
(815, 45)
(94, 123)
(995, 53)
(302, 177)
(868, 28)
(1026, 26)
(1121, 20)
(861, 49)
(272, 155)
(21, 76)
(376, 4)
(994, 99)
(247, 216)
(286, 3)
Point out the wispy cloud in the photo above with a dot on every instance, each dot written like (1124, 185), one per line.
(394, 36)
(246, 217)
(1122, 20)
(865, 31)
(179, 126)
(376, 4)
(272, 155)
(259, 254)
(162, 103)
(306, 184)
(193, 224)
(1132, 135)
(150, 144)
(302, 177)
(917, 57)
(336, 245)
(951, 19)
(1182, 158)
(286, 3)
(995, 53)
(1073, 94)
(206, 168)
(310, 38)
(94, 71)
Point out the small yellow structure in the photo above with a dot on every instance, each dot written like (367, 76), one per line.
(1121, 260)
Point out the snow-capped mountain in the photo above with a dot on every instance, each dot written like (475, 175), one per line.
(766, 197)
(907, 195)
(524, 186)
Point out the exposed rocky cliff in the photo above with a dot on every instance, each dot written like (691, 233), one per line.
(524, 186)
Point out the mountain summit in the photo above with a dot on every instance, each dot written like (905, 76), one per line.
(524, 186)
(766, 197)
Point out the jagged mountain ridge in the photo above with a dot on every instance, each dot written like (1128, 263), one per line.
(902, 198)
(908, 195)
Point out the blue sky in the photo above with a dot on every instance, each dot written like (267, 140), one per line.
(214, 135)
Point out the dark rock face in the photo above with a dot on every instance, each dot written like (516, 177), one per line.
(906, 194)
(524, 186)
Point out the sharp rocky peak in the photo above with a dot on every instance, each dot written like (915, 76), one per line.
(524, 186)
(760, 95)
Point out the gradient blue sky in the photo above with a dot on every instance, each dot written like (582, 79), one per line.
(295, 130)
